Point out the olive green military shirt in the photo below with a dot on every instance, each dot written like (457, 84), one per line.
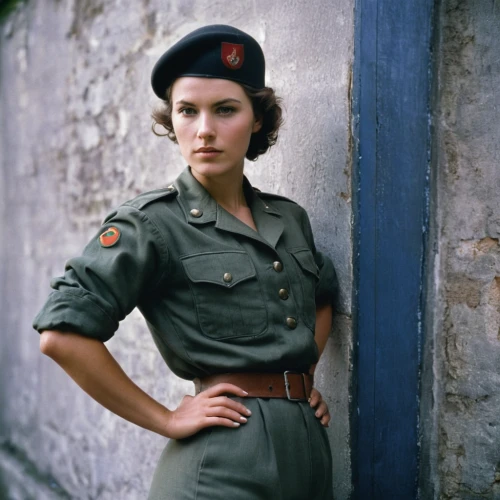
(217, 296)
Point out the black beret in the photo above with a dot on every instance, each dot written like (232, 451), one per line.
(216, 51)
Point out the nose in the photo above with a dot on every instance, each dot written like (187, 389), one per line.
(206, 127)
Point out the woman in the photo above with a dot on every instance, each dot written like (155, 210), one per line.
(232, 288)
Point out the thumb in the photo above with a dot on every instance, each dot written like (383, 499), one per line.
(185, 399)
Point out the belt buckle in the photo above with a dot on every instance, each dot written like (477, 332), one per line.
(287, 385)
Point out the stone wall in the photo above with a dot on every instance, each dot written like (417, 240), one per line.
(461, 385)
(75, 139)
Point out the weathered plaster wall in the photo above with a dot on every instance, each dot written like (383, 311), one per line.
(75, 142)
(461, 411)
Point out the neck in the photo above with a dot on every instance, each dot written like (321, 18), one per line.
(226, 190)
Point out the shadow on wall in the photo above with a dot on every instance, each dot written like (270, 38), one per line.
(21, 480)
(6, 7)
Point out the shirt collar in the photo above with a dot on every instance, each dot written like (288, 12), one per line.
(200, 208)
(198, 205)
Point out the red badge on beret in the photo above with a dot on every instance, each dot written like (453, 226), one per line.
(109, 237)
(233, 55)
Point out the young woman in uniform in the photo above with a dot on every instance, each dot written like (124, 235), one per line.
(232, 288)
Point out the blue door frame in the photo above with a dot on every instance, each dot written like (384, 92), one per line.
(391, 129)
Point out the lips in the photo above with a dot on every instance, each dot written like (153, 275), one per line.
(208, 150)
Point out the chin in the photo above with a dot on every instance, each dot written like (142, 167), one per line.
(208, 169)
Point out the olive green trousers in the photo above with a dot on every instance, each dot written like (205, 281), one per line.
(281, 453)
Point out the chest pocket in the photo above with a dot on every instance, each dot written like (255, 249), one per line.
(227, 294)
(309, 277)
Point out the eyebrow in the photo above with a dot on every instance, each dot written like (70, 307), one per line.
(218, 103)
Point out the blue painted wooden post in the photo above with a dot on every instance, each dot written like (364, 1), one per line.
(391, 95)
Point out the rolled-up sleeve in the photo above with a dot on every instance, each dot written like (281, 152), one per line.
(327, 285)
(104, 284)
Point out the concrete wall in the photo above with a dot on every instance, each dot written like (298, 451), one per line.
(75, 142)
(461, 385)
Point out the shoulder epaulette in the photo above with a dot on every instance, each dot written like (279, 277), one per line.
(144, 199)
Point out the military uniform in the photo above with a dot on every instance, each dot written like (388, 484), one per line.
(217, 297)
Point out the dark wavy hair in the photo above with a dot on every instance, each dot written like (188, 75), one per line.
(266, 106)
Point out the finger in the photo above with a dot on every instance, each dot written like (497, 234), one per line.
(221, 411)
(321, 410)
(325, 420)
(315, 398)
(229, 403)
(220, 421)
(224, 388)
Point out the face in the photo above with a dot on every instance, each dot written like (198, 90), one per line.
(213, 121)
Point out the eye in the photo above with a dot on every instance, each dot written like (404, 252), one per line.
(225, 110)
(187, 111)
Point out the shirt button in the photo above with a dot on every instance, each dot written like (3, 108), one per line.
(170, 188)
(196, 213)
(291, 323)
(278, 266)
(227, 277)
(283, 293)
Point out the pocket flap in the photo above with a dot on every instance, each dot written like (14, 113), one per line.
(305, 259)
(220, 268)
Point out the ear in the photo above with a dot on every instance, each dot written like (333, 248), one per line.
(257, 124)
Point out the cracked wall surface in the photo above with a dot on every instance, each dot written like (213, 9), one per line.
(462, 413)
(75, 136)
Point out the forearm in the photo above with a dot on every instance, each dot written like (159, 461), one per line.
(324, 315)
(89, 363)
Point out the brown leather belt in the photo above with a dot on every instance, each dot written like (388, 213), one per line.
(288, 385)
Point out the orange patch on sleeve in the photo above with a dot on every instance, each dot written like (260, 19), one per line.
(109, 237)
